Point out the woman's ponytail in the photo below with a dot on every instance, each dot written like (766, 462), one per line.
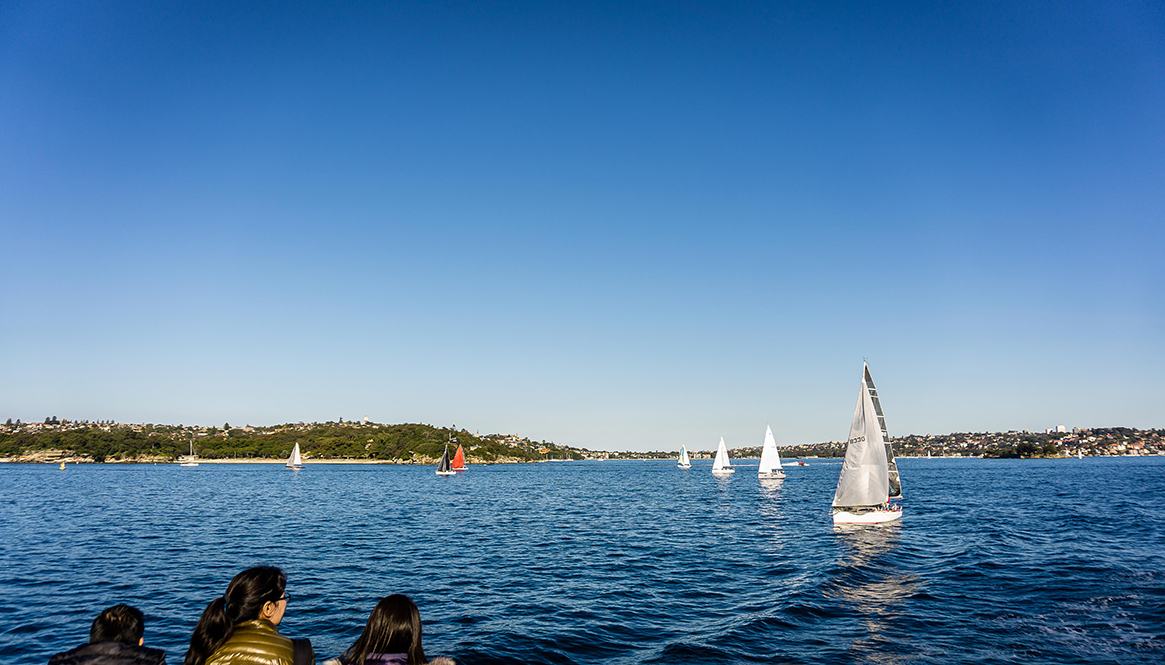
(212, 631)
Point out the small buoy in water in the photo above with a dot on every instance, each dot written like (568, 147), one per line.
(62, 466)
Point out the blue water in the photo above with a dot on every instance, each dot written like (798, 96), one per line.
(995, 561)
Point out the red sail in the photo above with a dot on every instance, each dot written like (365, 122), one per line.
(459, 459)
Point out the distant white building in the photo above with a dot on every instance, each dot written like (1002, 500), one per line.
(365, 420)
(1060, 429)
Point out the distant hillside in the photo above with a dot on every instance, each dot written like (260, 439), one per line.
(406, 443)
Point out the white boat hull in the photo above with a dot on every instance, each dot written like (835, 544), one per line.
(772, 475)
(723, 472)
(870, 517)
(683, 466)
(446, 473)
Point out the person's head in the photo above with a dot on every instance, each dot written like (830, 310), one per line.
(120, 623)
(255, 593)
(393, 627)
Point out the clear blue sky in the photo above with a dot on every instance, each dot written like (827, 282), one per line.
(618, 226)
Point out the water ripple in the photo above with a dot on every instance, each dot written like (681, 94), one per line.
(995, 561)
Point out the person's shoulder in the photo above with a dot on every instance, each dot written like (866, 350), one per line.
(110, 653)
(442, 660)
(67, 657)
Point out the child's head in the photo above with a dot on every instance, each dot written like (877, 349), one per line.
(120, 623)
(393, 627)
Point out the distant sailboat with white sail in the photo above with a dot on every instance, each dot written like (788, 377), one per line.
(684, 462)
(722, 466)
(770, 458)
(296, 460)
(869, 475)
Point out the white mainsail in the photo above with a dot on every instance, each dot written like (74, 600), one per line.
(770, 458)
(296, 460)
(684, 462)
(865, 473)
(722, 463)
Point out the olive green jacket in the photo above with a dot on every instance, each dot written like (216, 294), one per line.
(254, 643)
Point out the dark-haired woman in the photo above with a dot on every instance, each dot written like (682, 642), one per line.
(392, 636)
(240, 627)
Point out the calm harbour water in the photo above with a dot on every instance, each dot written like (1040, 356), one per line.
(995, 561)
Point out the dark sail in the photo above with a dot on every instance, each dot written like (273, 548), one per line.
(895, 483)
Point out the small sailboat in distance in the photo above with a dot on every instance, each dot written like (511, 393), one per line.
(770, 458)
(296, 460)
(684, 462)
(869, 476)
(443, 468)
(191, 460)
(722, 466)
(458, 463)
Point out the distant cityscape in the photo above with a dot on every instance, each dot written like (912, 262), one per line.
(93, 441)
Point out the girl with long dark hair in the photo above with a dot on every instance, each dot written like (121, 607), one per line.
(240, 627)
(392, 636)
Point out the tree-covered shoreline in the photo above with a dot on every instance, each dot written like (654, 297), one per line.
(409, 443)
(414, 443)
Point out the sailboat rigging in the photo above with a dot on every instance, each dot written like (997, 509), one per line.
(191, 460)
(869, 481)
(684, 462)
(770, 458)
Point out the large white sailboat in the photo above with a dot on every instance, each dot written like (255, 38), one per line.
(684, 462)
(770, 459)
(868, 484)
(296, 460)
(722, 466)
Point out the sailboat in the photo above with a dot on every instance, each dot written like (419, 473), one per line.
(684, 462)
(458, 463)
(869, 477)
(443, 466)
(770, 459)
(722, 465)
(296, 460)
(190, 461)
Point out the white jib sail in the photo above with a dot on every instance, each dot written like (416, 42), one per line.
(865, 479)
(684, 457)
(722, 460)
(295, 459)
(770, 459)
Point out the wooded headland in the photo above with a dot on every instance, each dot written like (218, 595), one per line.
(357, 441)
(83, 441)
